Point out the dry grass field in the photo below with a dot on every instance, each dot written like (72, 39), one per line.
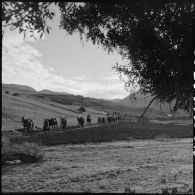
(108, 133)
(145, 157)
(146, 165)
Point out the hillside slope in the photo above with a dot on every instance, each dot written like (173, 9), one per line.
(45, 91)
(14, 88)
(32, 104)
(13, 108)
(142, 101)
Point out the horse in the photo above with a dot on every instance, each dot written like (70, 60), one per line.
(112, 119)
(109, 119)
(142, 119)
(81, 121)
(46, 125)
(103, 119)
(28, 125)
(52, 122)
(63, 122)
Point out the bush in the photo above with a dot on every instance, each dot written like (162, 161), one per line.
(26, 152)
(82, 109)
(129, 190)
(7, 92)
(16, 94)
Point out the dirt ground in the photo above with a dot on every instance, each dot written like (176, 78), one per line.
(146, 165)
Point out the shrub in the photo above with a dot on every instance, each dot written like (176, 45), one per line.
(165, 191)
(7, 92)
(174, 190)
(16, 94)
(163, 180)
(26, 152)
(82, 109)
(129, 190)
(5, 145)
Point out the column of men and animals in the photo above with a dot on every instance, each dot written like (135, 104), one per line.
(52, 123)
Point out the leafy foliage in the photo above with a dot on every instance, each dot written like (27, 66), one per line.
(156, 38)
(26, 17)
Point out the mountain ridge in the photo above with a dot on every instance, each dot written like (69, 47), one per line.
(124, 104)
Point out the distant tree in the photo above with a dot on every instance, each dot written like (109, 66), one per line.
(16, 94)
(82, 109)
(156, 37)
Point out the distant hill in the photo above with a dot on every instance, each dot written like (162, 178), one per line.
(141, 101)
(46, 91)
(115, 100)
(116, 105)
(46, 104)
(13, 88)
(78, 100)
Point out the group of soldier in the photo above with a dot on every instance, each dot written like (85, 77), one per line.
(118, 118)
(52, 123)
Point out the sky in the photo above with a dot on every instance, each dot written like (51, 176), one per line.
(61, 63)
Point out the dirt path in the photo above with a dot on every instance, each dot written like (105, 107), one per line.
(106, 167)
(75, 128)
(70, 128)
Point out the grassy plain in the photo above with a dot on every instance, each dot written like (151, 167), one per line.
(146, 165)
(108, 133)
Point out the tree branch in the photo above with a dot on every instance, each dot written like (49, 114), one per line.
(148, 106)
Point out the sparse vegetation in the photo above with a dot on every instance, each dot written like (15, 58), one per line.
(165, 191)
(16, 94)
(26, 152)
(163, 180)
(106, 167)
(129, 190)
(173, 190)
(111, 132)
(40, 96)
(82, 109)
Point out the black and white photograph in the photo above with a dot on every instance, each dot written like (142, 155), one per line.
(97, 96)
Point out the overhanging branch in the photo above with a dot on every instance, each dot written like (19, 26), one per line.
(148, 106)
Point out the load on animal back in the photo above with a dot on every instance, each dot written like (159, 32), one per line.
(28, 125)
